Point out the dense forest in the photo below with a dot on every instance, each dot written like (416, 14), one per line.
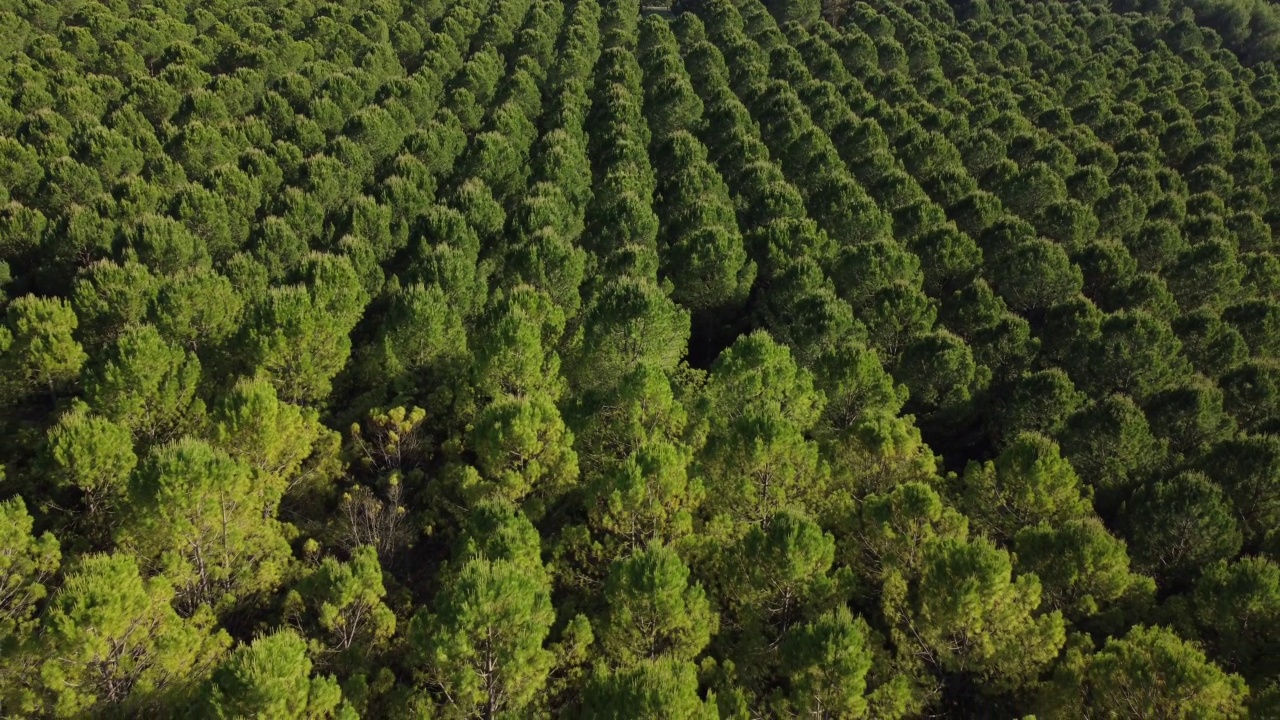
(574, 358)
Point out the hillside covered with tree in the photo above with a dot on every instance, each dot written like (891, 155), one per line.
(559, 358)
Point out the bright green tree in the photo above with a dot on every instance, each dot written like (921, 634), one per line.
(892, 531)
(111, 638)
(108, 297)
(1149, 673)
(198, 309)
(483, 644)
(1029, 483)
(27, 561)
(194, 514)
(758, 405)
(345, 599)
(648, 496)
(523, 447)
(515, 345)
(92, 457)
(826, 663)
(1083, 568)
(966, 613)
(631, 322)
(271, 678)
(148, 386)
(776, 576)
(653, 610)
(421, 333)
(37, 350)
(665, 687)
(273, 438)
(297, 342)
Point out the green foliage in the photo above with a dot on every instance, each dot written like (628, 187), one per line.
(892, 530)
(1082, 566)
(758, 405)
(772, 578)
(483, 644)
(650, 495)
(1136, 354)
(1234, 606)
(108, 298)
(966, 613)
(515, 346)
(345, 600)
(1251, 28)
(1035, 274)
(26, 563)
(271, 437)
(827, 661)
(653, 611)
(270, 678)
(666, 687)
(705, 258)
(545, 358)
(522, 446)
(37, 350)
(1151, 673)
(147, 386)
(113, 639)
(631, 322)
(1028, 484)
(296, 342)
(1246, 469)
(93, 458)
(193, 513)
(1176, 526)
(939, 371)
(198, 310)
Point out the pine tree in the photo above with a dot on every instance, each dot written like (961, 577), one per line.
(271, 678)
(653, 611)
(113, 639)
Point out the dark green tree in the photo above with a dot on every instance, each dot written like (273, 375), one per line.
(1110, 444)
(1233, 607)
(1248, 470)
(1177, 526)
